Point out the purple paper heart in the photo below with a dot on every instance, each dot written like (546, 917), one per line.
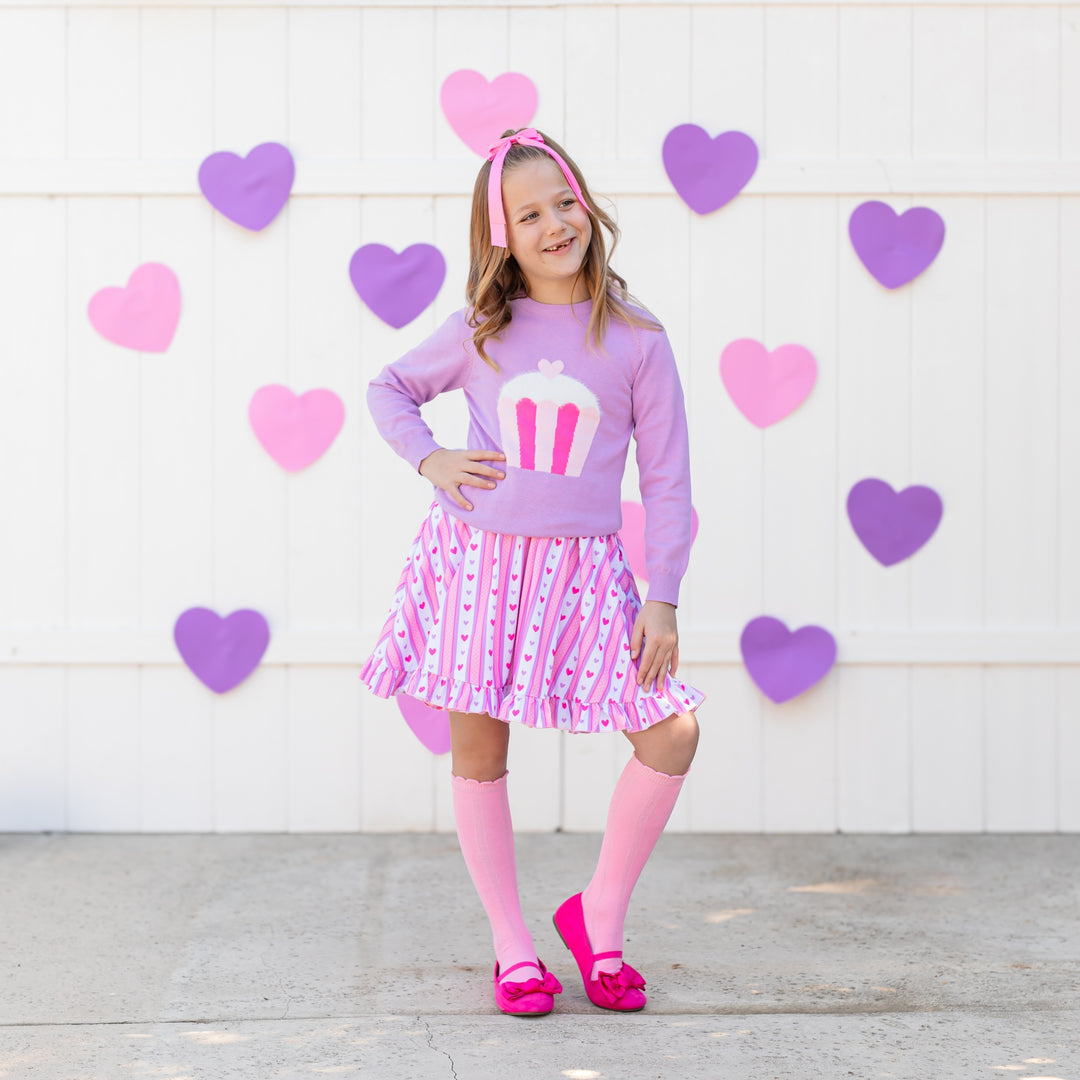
(895, 248)
(784, 663)
(251, 190)
(708, 172)
(221, 653)
(430, 726)
(893, 525)
(397, 287)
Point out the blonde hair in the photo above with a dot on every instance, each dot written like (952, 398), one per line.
(495, 277)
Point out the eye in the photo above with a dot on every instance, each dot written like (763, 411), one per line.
(529, 215)
(568, 202)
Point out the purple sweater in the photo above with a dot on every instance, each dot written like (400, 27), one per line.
(563, 415)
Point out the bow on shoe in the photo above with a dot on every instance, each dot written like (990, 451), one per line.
(616, 983)
(547, 985)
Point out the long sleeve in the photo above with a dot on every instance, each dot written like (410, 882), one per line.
(442, 362)
(663, 459)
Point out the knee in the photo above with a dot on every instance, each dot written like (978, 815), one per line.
(682, 735)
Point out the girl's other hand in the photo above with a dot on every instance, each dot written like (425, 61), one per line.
(449, 469)
(656, 624)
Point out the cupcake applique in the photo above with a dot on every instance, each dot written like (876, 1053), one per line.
(547, 420)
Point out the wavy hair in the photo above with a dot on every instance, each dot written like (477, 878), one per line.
(495, 277)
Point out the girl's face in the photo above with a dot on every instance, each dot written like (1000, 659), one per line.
(547, 231)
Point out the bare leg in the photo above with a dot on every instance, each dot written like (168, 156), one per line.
(478, 745)
(485, 832)
(667, 747)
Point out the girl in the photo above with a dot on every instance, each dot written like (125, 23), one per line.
(517, 604)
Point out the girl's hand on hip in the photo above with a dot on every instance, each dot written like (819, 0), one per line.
(449, 469)
(656, 625)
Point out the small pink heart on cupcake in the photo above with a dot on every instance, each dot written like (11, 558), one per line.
(550, 368)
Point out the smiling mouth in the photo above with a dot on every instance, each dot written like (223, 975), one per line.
(559, 247)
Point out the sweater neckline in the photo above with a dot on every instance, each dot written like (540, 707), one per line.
(527, 303)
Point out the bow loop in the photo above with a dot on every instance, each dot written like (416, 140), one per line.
(547, 985)
(616, 983)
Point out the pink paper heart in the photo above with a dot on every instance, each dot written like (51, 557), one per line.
(143, 314)
(480, 111)
(295, 430)
(767, 386)
(430, 726)
(632, 535)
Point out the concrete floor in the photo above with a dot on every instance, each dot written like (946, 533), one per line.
(788, 957)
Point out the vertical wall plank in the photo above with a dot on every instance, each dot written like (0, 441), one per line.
(176, 84)
(177, 738)
(103, 750)
(535, 48)
(396, 772)
(176, 437)
(801, 82)
(324, 502)
(724, 585)
(799, 767)
(1068, 749)
(1021, 469)
(33, 764)
(590, 74)
(724, 790)
(1021, 728)
(324, 749)
(251, 742)
(948, 362)
(654, 40)
(324, 83)
(1068, 410)
(948, 113)
(801, 503)
(475, 38)
(875, 81)
(536, 784)
(407, 131)
(947, 758)
(103, 83)
(1022, 85)
(727, 65)
(32, 80)
(33, 418)
(873, 749)
(103, 395)
(591, 766)
(1070, 82)
(251, 49)
(873, 381)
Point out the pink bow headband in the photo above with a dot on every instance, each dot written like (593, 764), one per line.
(497, 155)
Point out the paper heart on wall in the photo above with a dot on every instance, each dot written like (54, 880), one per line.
(143, 314)
(767, 386)
(249, 190)
(893, 525)
(430, 726)
(784, 663)
(708, 172)
(895, 248)
(480, 111)
(632, 535)
(295, 430)
(221, 652)
(396, 287)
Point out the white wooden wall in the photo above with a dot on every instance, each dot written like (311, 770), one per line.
(131, 487)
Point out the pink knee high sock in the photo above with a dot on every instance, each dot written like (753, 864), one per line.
(486, 836)
(639, 810)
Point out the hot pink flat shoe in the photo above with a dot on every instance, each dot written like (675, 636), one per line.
(620, 991)
(533, 997)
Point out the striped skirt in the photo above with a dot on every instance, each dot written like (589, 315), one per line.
(531, 630)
